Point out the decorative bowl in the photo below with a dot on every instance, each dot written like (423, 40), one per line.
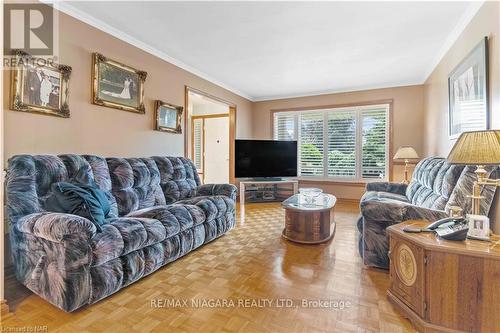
(310, 193)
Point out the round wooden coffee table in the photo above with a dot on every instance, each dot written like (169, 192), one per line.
(309, 222)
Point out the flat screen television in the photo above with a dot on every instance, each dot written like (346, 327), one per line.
(265, 159)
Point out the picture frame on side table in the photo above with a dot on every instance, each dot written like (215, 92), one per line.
(168, 117)
(116, 85)
(479, 227)
(40, 86)
(468, 93)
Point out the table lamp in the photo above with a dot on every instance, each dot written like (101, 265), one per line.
(478, 148)
(405, 153)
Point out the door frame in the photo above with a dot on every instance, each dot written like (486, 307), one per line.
(232, 125)
(203, 117)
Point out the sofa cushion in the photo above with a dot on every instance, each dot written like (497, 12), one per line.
(374, 195)
(135, 183)
(102, 179)
(123, 235)
(433, 182)
(178, 178)
(49, 170)
(175, 218)
(21, 188)
(213, 206)
(89, 169)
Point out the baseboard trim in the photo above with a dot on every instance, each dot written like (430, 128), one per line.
(349, 201)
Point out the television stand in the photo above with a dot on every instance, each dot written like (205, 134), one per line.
(267, 190)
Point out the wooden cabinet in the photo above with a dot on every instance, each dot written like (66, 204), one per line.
(444, 286)
(407, 281)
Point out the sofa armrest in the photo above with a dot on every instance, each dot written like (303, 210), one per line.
(397, 188)
(397, 211)
(56, 227)
(381, 213)
(52, 254)
(420, 213)
(229, 190)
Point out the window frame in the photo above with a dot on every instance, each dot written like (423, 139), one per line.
(358, 107)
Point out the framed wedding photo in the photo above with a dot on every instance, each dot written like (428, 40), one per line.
(116, 85)
(468, 92)
(168, 117)
(40, 86)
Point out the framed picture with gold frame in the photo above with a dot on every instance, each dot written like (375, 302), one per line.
(168, 117)
(116, 85)
(40, 86)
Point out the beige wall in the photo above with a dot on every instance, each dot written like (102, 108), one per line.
(436, 140)
(407, 121)
(104, 131)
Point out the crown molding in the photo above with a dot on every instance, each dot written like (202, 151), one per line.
(341, 91)
(65, 7)
(464, 21)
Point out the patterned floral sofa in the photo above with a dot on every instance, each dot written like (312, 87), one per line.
(435, 186)
(159, 212)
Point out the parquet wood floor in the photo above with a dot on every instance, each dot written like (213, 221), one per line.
(251, 263)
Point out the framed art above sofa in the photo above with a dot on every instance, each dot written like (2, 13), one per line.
(116, 85)
(468, 92)
(40, 86)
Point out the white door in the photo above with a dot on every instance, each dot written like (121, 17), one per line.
(216, 150)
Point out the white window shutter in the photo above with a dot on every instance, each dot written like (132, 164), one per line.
(342, 144)
(374, 150)
(198, 144)
(284, 126)
(311, 146)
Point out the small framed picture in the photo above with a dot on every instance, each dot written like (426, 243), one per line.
(168, 117)
(479, 227)
(40, 87)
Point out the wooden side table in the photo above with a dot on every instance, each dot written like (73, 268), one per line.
(444, 286)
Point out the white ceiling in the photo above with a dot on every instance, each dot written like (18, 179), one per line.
(268, 50)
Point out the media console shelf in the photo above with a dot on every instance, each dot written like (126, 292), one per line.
(267, 190)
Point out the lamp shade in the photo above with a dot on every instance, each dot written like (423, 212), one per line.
(476, 148)
(405, 153)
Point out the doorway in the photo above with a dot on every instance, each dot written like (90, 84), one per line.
(209, 136)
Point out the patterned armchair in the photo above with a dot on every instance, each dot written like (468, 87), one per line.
(435, 186)
(159, 212)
